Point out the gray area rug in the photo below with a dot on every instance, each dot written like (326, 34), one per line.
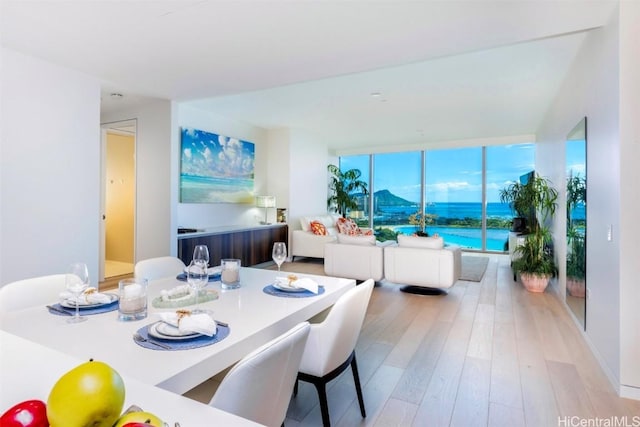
(473, 268)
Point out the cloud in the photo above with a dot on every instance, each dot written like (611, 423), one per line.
(207, 154)
(578, 169)
(445, 186)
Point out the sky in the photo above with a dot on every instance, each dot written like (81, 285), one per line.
(455, 175)
(210, 155)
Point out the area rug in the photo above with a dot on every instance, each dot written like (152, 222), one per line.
(473, 268)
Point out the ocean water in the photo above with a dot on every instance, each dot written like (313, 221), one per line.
(470, 238)
(199, 189)
(462, 210)
(464, 237)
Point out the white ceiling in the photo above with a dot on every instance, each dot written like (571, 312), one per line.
(445, 70)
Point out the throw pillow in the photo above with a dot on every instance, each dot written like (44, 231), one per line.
(348, 226)
(420, 242)
(357, 240)
(318, 228)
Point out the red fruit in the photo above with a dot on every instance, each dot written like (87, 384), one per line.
(30, 413)
(137, 425)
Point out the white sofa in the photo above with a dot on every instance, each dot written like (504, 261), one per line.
(305, 243)
(355, 257)
(423, 263)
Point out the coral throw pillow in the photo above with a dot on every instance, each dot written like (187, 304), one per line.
(318, 228)
(349, 227)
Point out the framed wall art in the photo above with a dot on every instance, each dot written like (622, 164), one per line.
(215, 168)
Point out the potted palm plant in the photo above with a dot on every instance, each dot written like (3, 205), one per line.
(342, 186)
(530, 199)
(535, 263)
(534, 260)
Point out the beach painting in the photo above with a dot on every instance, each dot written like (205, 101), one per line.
(215, 168)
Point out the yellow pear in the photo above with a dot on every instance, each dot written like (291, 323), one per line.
(89, 395)
(139, 417)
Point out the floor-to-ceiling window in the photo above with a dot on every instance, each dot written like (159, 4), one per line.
(397, 184)
(504, 164)
(457, 188)
(453, 194)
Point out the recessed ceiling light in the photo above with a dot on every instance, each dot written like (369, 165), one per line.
(376, 94)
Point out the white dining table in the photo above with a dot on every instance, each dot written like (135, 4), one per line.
(29, 370)
(253, 316)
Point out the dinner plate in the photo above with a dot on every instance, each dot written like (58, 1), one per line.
(287, 288)
(165, 331)
(71, 304)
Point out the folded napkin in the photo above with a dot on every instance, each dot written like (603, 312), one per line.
(89, 296)
(298, 283)
(201, 323)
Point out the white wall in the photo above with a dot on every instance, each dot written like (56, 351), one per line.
(297, 174)
(278, 172)
(308, 162)
(593, 89)
(50, 171)
(155, 233)
(629, 198)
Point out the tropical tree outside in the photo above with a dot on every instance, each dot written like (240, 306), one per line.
(342, 187)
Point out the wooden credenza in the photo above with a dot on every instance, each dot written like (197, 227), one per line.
(252, 245)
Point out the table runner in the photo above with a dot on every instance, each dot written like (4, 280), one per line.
(204, 295)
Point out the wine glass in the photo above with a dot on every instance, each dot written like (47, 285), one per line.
(77, 281)
(201, 255)
(279, 253)
(197, 277)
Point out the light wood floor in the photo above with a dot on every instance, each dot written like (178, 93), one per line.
(486, 354)
(117, 268)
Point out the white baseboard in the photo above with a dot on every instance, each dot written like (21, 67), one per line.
(630, 392)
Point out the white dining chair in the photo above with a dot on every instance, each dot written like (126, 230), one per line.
(259, 386)
(158, 268)
(31, 292)
(331, 345)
